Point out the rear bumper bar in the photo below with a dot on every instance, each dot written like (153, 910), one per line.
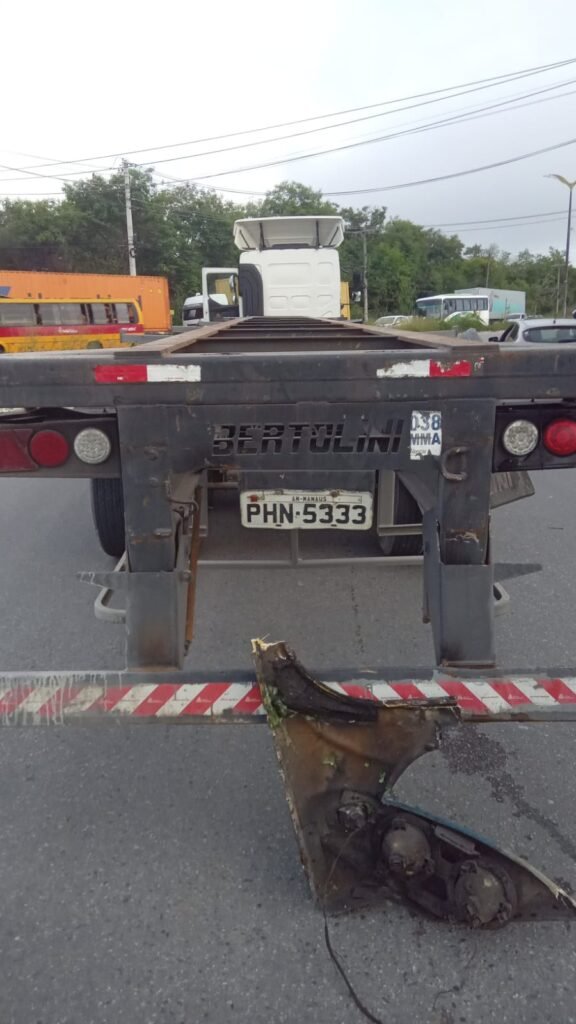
(42, 698)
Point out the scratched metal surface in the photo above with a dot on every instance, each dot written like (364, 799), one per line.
(152, 876)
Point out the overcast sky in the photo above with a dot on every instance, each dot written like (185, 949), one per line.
(82, 81)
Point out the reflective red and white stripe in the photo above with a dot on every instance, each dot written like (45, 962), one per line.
(55, 699)
(430, 368)
(146, 373)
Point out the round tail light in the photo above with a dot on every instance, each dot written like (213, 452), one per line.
(560, 437)
(92, 446)
(520, 437)
(48, 448)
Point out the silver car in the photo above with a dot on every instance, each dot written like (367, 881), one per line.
(391, 321)
(539, 331)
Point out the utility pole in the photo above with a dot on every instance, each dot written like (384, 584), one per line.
(129, 224)
(570, 185)
(365, 273)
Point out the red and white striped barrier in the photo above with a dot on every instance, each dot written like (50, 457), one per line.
(63, 698)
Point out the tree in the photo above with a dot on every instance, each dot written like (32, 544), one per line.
(179, 229)
(197, 232)
(290, 199)
(93, 216)
(367, 221)
(31, 235)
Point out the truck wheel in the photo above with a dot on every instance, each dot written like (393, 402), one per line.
(108, 515)
(406, 510)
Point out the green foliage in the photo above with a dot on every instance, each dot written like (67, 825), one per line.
(466, 321)
(180, 229)
(290, 199)
(459, 323)
(425, 323)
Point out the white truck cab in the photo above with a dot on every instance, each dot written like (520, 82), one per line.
(289, 266)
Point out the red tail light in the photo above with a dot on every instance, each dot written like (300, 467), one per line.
(559, 437)
(14, 454)
(48, 448)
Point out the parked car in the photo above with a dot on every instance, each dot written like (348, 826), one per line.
(391, 321)
(539, 331)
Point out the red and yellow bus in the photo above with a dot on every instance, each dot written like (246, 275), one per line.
(28, 325)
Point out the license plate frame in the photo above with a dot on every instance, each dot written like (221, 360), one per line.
(288, 509)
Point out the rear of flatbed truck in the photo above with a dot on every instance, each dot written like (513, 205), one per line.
(307, 416)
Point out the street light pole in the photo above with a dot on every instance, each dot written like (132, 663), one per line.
(570, 186)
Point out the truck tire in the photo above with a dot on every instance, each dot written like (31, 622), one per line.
(406, 510)
(108, 515)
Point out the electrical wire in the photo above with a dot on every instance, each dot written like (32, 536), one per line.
(482, 83)
(453, 174)
(488, 220)
(34, 174)
(520, 224)
(458, 118)
(455, 119)
(489, 110)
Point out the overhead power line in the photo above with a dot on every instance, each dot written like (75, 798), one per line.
(28, 195)
(480, 112)
(503, 106)
(455, 119)
(495, 220)
(441, 94)
(454, 174)
(508, 104)
(503, 227)
(460, 117)
(35, 174)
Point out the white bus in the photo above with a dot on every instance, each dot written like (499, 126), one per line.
(448, 307)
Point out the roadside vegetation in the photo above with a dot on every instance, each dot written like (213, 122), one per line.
(181, 228)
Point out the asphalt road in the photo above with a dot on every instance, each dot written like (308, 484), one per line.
(150, 876)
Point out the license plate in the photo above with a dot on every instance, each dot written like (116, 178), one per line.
(425, 434)
(306, 510)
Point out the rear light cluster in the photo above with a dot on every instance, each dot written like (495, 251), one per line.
(521, 437)
(24, 449)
